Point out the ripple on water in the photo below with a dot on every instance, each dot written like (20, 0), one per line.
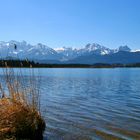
(90, 104)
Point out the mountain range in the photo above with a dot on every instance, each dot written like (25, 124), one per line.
(90, 54)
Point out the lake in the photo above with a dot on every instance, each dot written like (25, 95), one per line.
(89, 104)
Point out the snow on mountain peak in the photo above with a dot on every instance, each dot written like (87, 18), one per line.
(135, 50)
(59, 49)
(64, 49)
(97, 49)
(43, 52)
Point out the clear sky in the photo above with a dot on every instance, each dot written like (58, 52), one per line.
(71, 23)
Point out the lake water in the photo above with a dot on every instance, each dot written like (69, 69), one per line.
(90, 104)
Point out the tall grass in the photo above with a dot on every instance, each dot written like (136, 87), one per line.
(20, 116)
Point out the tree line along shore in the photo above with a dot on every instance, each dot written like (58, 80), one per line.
(32, 64)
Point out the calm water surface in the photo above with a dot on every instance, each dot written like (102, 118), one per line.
(91, 104)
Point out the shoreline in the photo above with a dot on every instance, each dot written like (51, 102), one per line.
(32, 64)
(75, 67)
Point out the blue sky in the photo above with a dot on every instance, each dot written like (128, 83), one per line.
(71, 23)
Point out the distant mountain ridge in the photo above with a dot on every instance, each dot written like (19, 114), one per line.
(90, 54)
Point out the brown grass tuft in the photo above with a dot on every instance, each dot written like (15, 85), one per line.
(19, 121)
(20, 116)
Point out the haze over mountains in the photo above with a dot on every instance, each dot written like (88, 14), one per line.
(90, 54)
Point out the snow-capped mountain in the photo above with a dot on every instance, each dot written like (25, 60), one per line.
(97, 49)
(25, 50)
(7, 49)
(42, 52)
(91, 53)
(124, 48)
(71, 53)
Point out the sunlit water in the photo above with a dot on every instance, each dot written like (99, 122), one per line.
(90, 104)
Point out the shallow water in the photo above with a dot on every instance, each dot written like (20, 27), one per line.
(89, 104)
